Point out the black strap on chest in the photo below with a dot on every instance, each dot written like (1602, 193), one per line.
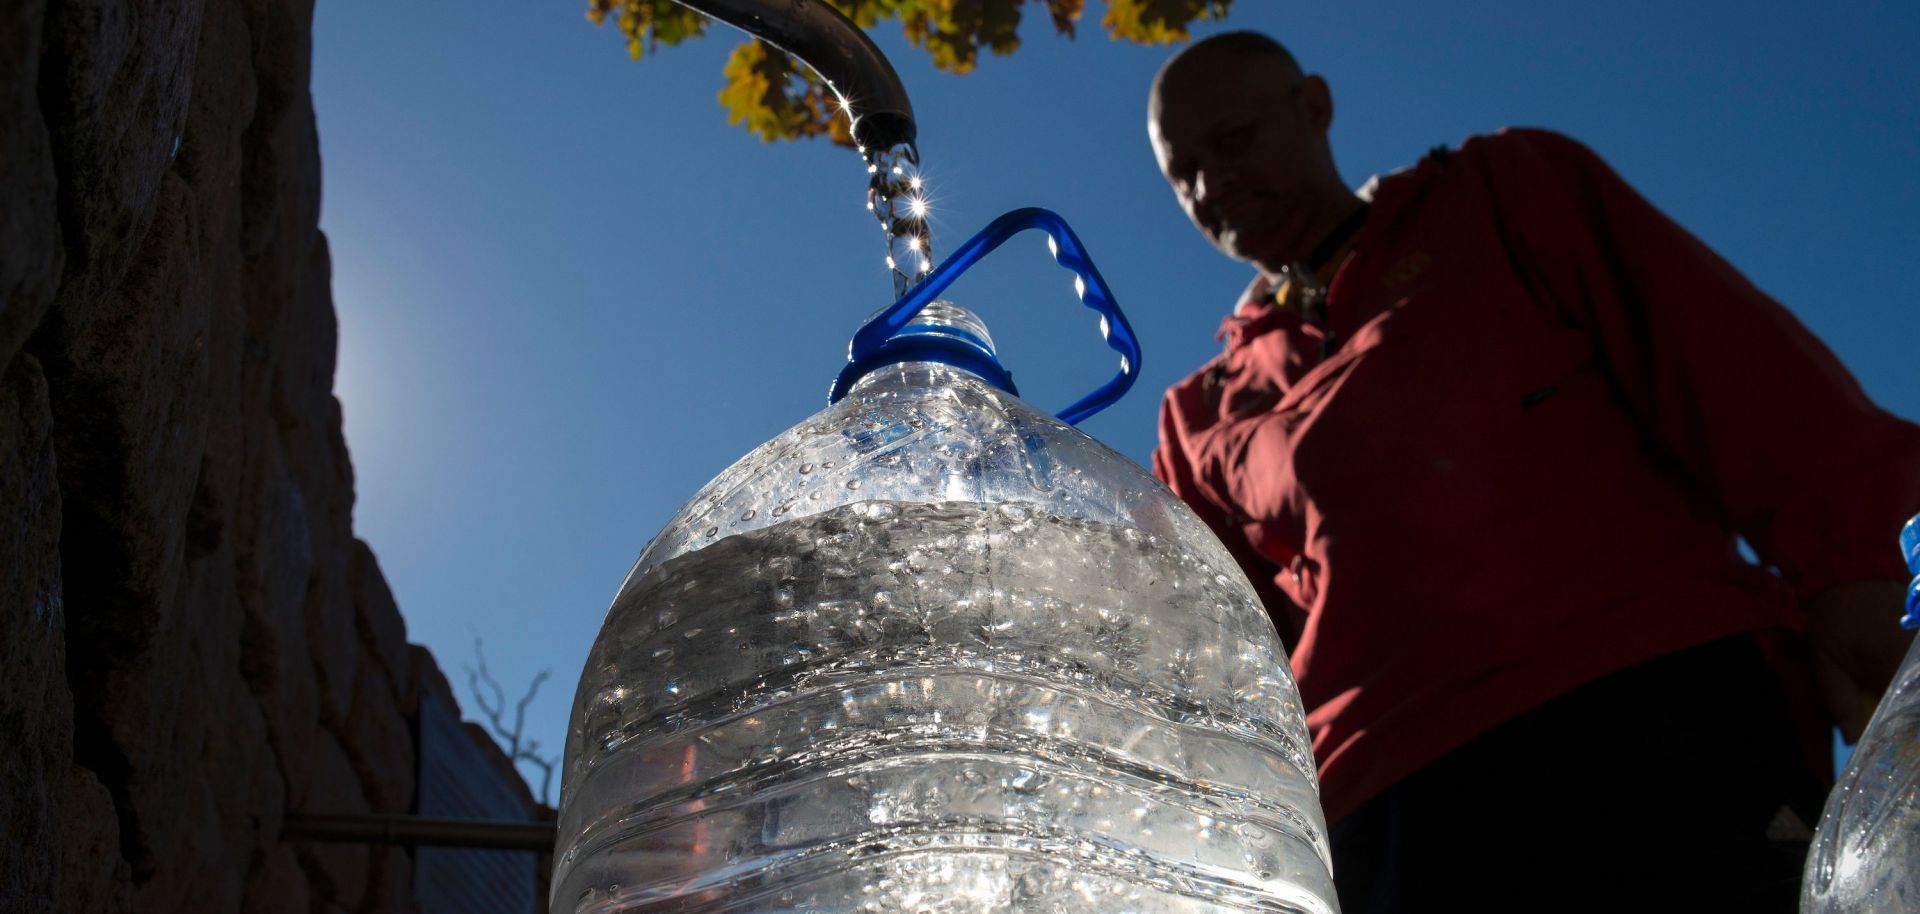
(1312, 295)
(1325, 250)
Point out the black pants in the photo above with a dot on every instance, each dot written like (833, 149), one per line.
(1675, 785)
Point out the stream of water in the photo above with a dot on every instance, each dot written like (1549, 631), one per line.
(898, 198)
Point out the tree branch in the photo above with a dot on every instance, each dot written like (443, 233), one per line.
(519, 749)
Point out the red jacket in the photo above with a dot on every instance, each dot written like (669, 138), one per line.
(1548, 413)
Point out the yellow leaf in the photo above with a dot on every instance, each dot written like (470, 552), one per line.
(954, 31)
(1160, 21)
(648, 24)
(775, 98)
(1064, 14)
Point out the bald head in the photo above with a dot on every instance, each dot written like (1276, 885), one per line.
(1241, 135)
(1250, 55)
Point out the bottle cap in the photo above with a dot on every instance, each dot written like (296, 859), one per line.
(941, 332)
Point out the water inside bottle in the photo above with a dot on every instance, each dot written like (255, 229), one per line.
(948, 707)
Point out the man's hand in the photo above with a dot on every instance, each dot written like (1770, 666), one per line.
(1857, 644)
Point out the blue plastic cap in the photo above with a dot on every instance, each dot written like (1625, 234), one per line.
(920, 343)
(1910, 546)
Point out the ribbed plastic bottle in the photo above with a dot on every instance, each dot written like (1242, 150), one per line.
(1865, 857)
(934, 651)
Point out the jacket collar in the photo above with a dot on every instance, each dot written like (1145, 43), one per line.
(1256, 314)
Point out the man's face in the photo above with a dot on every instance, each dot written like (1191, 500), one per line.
(1244, 155)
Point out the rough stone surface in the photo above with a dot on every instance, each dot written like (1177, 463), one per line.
(30, 221)
(382, 633)
(379, 742)
(60, 841)
(193, 645)
(338, 870)
(277, 885)
(390, 882)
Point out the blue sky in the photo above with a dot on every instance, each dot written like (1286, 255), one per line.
(570, 293)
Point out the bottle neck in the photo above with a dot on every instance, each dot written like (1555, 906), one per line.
(942, 333)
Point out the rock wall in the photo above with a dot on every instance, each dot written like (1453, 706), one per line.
(192, 642)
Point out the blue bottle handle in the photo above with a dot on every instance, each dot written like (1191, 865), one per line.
(1910, 547)
(1067, 250)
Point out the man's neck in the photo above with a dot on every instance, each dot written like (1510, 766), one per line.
(1333, 218)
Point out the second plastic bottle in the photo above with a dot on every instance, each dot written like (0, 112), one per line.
(1865, 857)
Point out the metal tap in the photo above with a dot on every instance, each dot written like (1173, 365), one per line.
(823, 39)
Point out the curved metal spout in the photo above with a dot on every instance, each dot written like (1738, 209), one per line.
(835, 48)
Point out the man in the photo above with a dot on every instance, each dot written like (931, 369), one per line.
(1486, 436)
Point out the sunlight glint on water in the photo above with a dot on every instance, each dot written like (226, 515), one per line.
(897, 196)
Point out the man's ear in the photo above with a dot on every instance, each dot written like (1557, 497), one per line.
(1316, 100)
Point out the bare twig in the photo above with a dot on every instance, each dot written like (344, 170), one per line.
(519, 748)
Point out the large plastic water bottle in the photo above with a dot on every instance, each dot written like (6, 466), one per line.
(934, 651)
(1866, 855)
